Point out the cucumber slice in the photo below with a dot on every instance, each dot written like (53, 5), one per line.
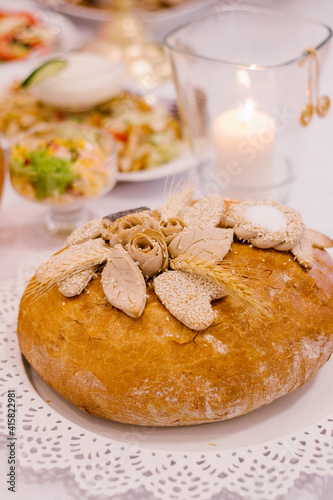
(49, 68)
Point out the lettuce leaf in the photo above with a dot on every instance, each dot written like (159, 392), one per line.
(48, 173)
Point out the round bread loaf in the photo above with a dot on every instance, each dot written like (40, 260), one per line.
(155, 371)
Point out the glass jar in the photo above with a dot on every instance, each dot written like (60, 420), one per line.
(246, 80)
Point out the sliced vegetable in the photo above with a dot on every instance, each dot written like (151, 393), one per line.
(46, 70)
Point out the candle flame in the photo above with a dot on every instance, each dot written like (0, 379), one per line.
(246, 114)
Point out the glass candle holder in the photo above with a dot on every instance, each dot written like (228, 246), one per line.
(248, 83)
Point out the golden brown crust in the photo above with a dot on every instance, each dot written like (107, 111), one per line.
(155, 371)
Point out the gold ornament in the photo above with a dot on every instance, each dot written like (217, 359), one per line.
(306, 114)
(323, 102)
(323, 106)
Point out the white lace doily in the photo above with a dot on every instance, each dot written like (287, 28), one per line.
(198, 462)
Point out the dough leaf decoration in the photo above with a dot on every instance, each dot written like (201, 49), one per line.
(148, 249)
(303, 251)
(123, 283)
(125, 227)
(207, 211)
(75, 283)
(210, 243)
(188, 298)
(318, 239)
(170, 228)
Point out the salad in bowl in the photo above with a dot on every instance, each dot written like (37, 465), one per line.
(62, 165)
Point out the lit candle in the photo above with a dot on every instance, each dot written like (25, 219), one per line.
(244, 146)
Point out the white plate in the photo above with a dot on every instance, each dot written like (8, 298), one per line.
(98, 14)
(157, 23)
(79, 11)
(283, 417)
(175, 167)
(181, 164)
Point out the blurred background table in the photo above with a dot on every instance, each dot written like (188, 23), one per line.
(312, 195)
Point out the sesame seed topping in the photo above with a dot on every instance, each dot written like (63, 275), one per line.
(92, 229)
(270, 221)
(187, 297)
(76, 282)
(207, 211)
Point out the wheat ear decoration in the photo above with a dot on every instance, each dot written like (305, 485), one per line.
(177, 201)
(36, 289)
(71, 260)
(223, 277)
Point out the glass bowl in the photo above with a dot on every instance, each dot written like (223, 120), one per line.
(87, 80)
(61, 165)
(243, 76)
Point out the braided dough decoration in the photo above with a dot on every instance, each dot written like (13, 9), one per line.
(269, 224)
